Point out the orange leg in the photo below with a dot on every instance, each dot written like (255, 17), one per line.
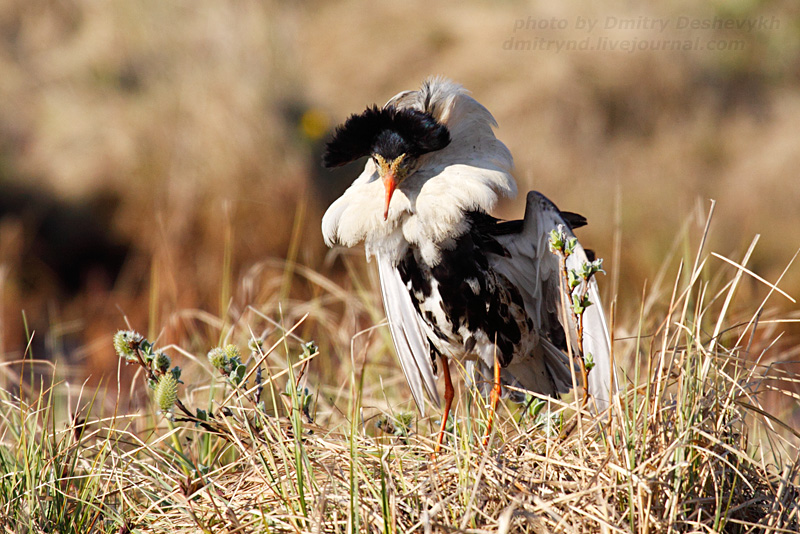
(494, 399)
(448, 401)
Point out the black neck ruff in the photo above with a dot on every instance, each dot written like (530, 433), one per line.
(389, 132)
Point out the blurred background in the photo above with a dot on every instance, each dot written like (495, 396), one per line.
(160, 161)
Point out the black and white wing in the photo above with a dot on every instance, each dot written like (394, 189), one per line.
(535, 271)
(408, 336)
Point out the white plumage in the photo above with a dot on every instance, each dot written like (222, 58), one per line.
(456, 282)
(428, 209)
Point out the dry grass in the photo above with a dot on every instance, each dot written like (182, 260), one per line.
(688, 445)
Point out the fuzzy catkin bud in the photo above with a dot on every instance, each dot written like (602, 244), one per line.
(255, 345)
(125, 344)
(166, 392)
(217, 358)
(232, 352)
(162, 362)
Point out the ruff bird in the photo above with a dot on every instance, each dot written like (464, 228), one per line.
(456, 281)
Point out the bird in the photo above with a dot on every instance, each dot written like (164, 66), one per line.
(456, 282)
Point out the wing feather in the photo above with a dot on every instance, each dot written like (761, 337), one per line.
(534, 270)
(410, 341)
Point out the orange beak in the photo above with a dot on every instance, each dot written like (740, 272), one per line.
(390, 183)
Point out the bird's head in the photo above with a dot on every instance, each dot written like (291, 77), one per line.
(394, 138)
